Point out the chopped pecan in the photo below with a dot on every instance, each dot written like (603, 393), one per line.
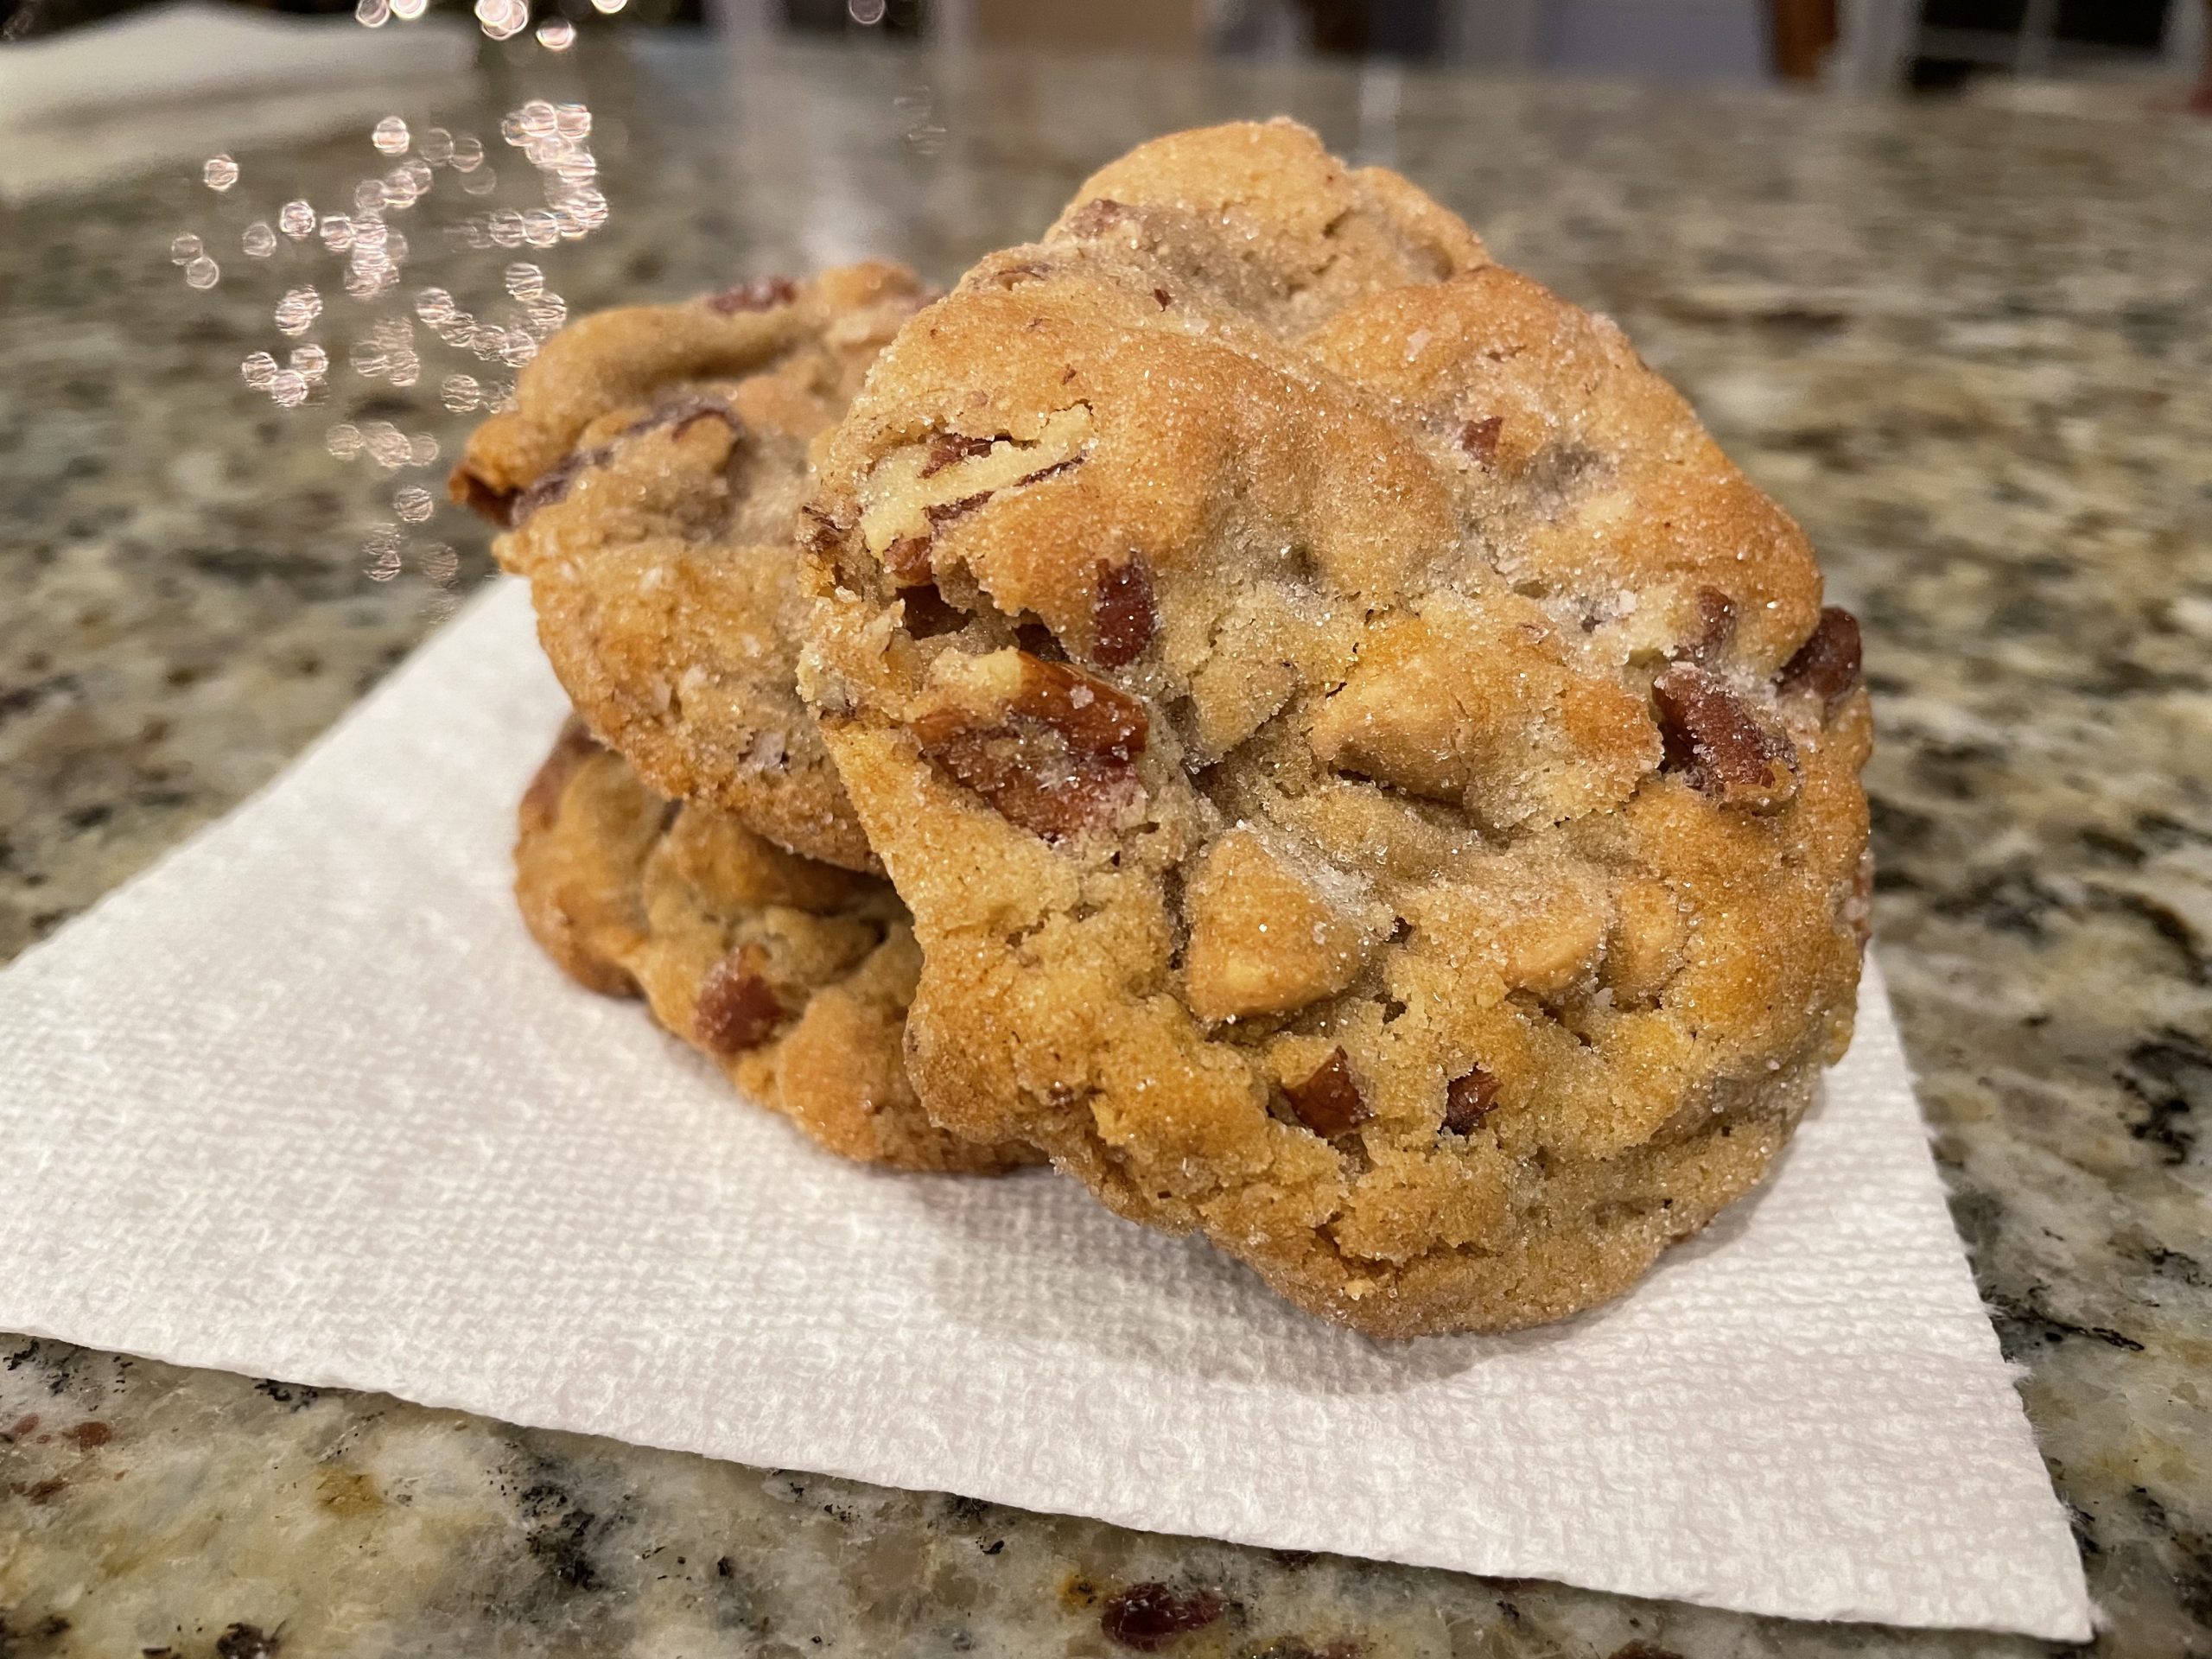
(1052, 471)
(907, 561)
(939, 513)
(737, 1007)
(1052, 750)
(487, 500)
(1718, 745)
(1479, 438)
(554, 484)
(1329, 1102)
(1716, 627)
(1098, 722)
(1122, 619)
(1100, 213)
(1827, 664)
(1151, 1617)
(817, 530)
(1468, 1099)
(681, 414)
(1163, 296)
(945, 448)
(761, 294)
(1030, 270)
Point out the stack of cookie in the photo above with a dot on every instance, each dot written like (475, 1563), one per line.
(1245, 699)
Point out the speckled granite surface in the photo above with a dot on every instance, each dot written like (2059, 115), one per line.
(1971, 349)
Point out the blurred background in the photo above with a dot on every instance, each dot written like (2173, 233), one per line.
(1929, 45)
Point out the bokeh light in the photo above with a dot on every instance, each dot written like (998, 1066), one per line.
(502, 19)
(297, 312)
(497, 312)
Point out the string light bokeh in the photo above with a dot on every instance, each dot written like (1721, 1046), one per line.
(344, 322)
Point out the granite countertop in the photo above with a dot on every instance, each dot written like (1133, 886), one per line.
(1970, 348)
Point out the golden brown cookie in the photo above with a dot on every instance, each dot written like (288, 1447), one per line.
(792, 976)
(647, 477)
(1373, 783)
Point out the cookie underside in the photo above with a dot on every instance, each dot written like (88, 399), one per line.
(792, 977)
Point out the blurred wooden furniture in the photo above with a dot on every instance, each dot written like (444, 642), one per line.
(1799, 35)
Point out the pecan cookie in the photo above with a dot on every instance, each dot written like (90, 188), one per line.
(647, 478)
(1373, 783)
(792, 976)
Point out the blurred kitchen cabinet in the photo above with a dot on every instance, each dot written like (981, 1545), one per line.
(1666, 39)
(1085, 25)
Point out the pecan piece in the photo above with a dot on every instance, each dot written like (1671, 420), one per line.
(555, 483)
(761, 294)
(1716, 619)
(947, 446)
(1051, 749)
(1030, 270)
(1718, 744)
(1827, 664)
(681, 414)
(1052, 471)
(818, 531)
(737, 1007)
(1468, 1099)
(1479, 438)
(1122, 617)
(907, 561)
(1099, 213)
(1329, 1102)
(940, 512)
(481, 497)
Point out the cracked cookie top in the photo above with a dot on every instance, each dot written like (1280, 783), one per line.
(1373, 782)
(646, 481)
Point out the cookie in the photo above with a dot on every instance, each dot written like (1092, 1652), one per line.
(1373, 783)
(647, 477)
(791, 975)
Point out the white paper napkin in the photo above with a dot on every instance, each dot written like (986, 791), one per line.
(305, 1102)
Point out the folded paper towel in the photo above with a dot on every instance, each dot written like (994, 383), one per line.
(305, 1102)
